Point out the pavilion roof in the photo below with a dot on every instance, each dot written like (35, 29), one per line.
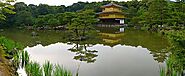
(112, 4)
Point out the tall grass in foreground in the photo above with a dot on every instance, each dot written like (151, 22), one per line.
(162, 71)
(170, 70)
(167, 72)
(34, 69)
(16, 60)
(25, 58)
(60, 71)
(48, 68)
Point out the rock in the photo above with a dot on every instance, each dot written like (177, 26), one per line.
(30, 27)
(8, 57)
(97, 30)
(1, 30)
(20, 27)
(58, 28)
(38, 42)
(34, 33)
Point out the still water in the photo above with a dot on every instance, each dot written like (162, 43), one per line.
(132, 53)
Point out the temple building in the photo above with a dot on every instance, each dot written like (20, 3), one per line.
(111, 15)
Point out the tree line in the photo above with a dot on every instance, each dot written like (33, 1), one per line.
(144, 13)
(45, 15)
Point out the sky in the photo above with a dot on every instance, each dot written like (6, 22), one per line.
(58, 2)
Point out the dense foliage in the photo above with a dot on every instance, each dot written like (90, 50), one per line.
(157, 14)
(176, 60)
(6, 8)
(46, 16)
(9, 51)
(153, 14)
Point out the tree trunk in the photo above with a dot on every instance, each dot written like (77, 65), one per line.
(84, 30)
(76, 31)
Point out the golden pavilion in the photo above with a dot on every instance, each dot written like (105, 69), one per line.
(111, 15)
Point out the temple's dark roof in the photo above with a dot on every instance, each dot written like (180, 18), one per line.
(111, 4)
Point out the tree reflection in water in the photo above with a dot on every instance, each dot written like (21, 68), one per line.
(160, 55)
(84, 54)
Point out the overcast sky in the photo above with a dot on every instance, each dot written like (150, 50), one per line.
(58, 2)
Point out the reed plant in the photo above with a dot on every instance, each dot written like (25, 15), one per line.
(25, 58)
(162, 72)
(16, 59)
(170, 69)
(48, 68)
(60, 71)
(33, 69)
(22, 58)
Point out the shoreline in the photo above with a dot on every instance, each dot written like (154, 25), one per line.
(6, 66)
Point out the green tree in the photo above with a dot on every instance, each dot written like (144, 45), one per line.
(157, 13)
(33, 9)
(43, 9)
(88, 19)
(39, 22)
(132, 12)
(20, 6)
(76, 7)
(53, 22)
(83, 23)
(68, 16)
(61, 9)
(6, 8)
(23, 18)
(60, 17)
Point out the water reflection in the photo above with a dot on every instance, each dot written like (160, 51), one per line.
(119, 60)
(160, 56)
(84, 54)
(152, 41)
(111, 39)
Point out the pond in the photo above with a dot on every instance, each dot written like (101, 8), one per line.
(132, 53)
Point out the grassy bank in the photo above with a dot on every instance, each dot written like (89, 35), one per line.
(176, 60)
(8, 50)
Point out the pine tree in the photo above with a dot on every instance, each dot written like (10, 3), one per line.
(157, 13)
